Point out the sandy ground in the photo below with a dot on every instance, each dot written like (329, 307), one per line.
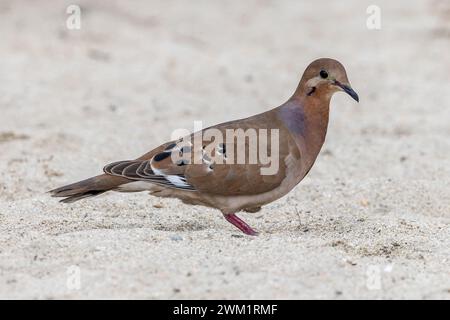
(370, 221)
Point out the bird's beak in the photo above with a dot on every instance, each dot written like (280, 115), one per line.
(347, 89)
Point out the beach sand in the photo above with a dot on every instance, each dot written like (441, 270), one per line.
(371, 220)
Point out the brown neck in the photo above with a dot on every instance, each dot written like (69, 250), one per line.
(316, 107)
(315, 110)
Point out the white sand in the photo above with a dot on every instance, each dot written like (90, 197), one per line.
(370, 221)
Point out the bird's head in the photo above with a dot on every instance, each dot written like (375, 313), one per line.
(325, 77)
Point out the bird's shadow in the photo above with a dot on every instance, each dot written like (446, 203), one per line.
(181, 226)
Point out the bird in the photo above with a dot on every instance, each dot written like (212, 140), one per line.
(186, 171)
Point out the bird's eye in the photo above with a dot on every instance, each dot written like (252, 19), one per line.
(323, 74)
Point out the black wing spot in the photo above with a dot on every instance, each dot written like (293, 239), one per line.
(170, 146)
(182, 163)
(222, 149)
(161, 156)
(185, 149)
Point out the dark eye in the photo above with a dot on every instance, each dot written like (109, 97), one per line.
(323, 74)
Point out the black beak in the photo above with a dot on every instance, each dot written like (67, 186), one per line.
(348, 90)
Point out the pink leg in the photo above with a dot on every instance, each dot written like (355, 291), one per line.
(241, 225)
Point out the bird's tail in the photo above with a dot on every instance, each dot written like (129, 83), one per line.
(88, 188)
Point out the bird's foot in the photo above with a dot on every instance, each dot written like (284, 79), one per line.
(240, 224)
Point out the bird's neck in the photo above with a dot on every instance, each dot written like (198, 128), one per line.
(315, 104)
(307, 116)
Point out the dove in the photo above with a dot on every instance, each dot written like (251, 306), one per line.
(209, 168)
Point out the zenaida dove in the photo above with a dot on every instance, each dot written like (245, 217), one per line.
(224, 173)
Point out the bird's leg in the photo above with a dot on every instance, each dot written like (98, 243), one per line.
(241, 225)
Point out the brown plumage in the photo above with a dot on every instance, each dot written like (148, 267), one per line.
(185, 169)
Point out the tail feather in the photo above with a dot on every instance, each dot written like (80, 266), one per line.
(80, 196)
(88, 188)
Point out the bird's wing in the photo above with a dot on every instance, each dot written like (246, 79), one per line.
(207, 164)
(144, 168)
